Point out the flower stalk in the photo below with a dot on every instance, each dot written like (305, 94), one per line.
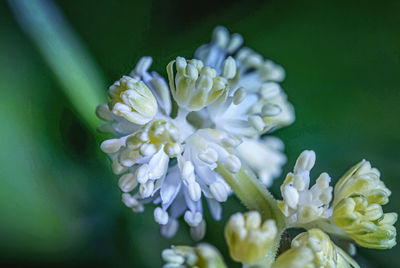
(253, 194)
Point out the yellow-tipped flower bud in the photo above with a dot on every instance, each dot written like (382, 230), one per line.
(359, 196)
(248, 238)
(365, 222)
(201, 256)
(133, 100)
(362, 179)
(194, 85)
(314, 249)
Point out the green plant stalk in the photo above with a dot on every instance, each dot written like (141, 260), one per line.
(77, 73)
(255, 196)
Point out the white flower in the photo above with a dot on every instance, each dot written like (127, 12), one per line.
(145, 156)
(169, 158)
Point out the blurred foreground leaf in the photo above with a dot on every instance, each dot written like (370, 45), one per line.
(75, 69)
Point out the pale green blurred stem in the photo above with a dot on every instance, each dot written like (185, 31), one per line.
(76, 71)
(255, 196)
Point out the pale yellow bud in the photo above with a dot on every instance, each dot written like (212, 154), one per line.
(314, 249)
(194, 85)
(359, 196)
(365, 180)
(248, 238)
(133, 100)
(365, 222)
(201, 256)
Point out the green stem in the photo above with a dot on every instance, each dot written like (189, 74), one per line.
(253, 194)
(76, 71)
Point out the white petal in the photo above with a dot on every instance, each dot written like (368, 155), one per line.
(219, 191)
(215, 208)
(127, 182)
(111, 146)
(158, 165)
(160, 216)
(170, 188)
(291, 196)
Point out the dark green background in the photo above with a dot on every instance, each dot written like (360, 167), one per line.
(59, 202)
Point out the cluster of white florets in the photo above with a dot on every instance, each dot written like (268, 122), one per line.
(354, 211)
(225, 99)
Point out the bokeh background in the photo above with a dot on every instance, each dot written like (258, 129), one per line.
(60, 203)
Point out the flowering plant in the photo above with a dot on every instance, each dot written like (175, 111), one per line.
(205, 134)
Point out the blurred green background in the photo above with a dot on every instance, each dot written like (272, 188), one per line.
(60, 203)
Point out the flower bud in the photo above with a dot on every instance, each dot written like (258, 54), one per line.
(366, 223)
(194, 85)
(193, 218)
(365, 180)
(314, 249)
(133, 100)
(201, 256)
(111, 146)
(247, 238)
(161, 216)
(359, 196)
(128, 182)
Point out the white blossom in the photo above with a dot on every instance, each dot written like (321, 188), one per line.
(168, 156)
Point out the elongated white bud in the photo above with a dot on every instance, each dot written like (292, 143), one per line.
(111, 146)
(128, 182)
(193, 218)
(160, 216)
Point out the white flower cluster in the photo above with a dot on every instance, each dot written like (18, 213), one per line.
(302, 204)
(354, 212)
(166, 150)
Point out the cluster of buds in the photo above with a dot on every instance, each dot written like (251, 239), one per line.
(222, 107)
(357, 207)
(210, 138)
(301, 204)
(355, 211)
(132, 99)
(194, 86)
(354, 215)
